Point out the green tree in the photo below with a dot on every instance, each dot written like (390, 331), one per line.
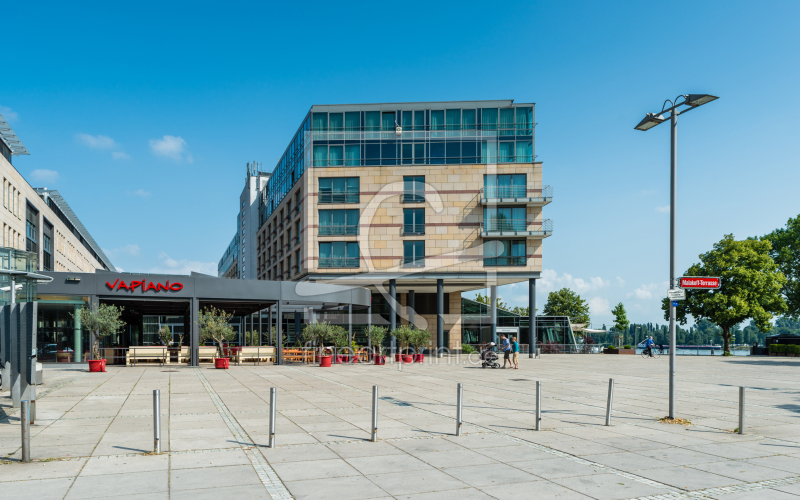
(101, 322)
(165, 334)
(565, 302)
(751, 287)
(376, 335)
(620, 318)
(785, 252)
(484, 299)
(215, 327)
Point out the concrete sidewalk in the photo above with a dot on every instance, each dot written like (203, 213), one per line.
(95, 430)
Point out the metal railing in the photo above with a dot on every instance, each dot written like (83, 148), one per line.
(413, 197)
(517, 225)
(335, 230)
(414, 262)
(339, 197)
(339, 262)
(414, 229)
(498, 192)
(514, 260)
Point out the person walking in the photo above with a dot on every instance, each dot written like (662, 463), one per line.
(515, 352)
(506, 351)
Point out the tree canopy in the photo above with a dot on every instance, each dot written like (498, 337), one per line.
(102, 322)
(786, 254)
(565, 302)
(620, 318)
(751, 287)
(214, 326)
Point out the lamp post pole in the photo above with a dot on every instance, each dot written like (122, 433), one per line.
(673, 202)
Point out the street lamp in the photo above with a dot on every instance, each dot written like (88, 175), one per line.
(690, 102)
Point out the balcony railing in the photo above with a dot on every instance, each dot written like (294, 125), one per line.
(521, 227)
(545, 194)
(513, 260)
(414, 262)
(413, 197)
(413, 229)
(338, 230)
(339, 197)
(339, 262)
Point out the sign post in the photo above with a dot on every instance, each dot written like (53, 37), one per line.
(700, 282)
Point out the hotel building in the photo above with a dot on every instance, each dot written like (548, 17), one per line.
(419, 202)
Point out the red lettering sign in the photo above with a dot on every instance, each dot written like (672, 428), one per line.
(700, 282)
(144, 286)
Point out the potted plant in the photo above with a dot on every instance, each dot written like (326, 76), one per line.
(165, 335)
(340, 339)
(403, 334)
(214, 327)
(318, 333)
(376, 335)
(100, 322)
(419, 339)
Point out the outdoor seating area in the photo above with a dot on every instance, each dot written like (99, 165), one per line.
(136, 354)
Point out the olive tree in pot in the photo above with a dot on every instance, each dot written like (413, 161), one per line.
(214, 327)
(165, 335)
(419, 340)
(403, 334)
(100, 322)
(376, 335)
(318, 333)
(340, 339)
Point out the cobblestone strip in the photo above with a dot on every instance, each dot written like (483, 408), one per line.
(725, 490)
(269, 478)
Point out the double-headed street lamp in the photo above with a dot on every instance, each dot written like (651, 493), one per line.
(690, 102)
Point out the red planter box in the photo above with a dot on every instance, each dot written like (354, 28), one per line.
(221, 363)
(379, 360)
(397, 357)
(339, 358)
(325, 361)
(97, 365)
(419, 358)
(408, 358)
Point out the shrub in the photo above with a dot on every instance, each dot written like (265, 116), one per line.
(773, 348)
(793, 349)
(780, 348)
(467, 349)
(609, 346)
(627, 346)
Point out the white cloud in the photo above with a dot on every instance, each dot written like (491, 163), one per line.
(169, 265)
(119, 155)
(96, 141)
(620, 281)
(598, 305)
(171, 147)
(647, 290)
(44, 175)
(119, 269)
(663, 210)
(9, 114)
(142, 193)
(128, 250)
(551, 281)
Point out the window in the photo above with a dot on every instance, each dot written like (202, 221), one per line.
(413, 189)
(419, 153)
(336, 124)
(337, 222)
(524, 151)
(505, 219)
(505, 186)
(414, 253)
(47, 253)
(436, 152)
(338, 254)
(504, 253)
(507, 122)
(453, 151)
(453, 122)
(336, 155)
(489, 152)
(338, 190)
(388, 124)
(413, 221)
(320, 124)
(320, 156)
(352, 154)
(468, 119)
(408, 154)
(524, 121)
(506, 152)
(352, 125)
(437, 123)
(489, 121)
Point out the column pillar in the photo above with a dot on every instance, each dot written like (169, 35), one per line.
(532, 337)
(279, 332)
(269, 324)
(410, 307)
(439, 317)
(259, 327)
(77, 335)
(194, 328)
(392, 313)
(369, 325)
(350, 326)
(493, 311)
(297, 325)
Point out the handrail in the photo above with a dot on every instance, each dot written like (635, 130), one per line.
(338, 229)
(339, 262)
(351, 196)
(517, 225)
(497, 192)
(414, 229)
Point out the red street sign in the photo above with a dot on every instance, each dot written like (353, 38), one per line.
(700, 282)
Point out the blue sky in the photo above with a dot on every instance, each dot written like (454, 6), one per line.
(145, 117)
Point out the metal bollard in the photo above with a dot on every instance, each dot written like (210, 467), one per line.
(374, 436)
(538, 404)
(272, 409)
(610, 399)
(156, 421)
(741, 410)
(459, 419)
(26, 430)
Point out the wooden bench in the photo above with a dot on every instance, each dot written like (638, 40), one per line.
(146, 353)
(300, 355)
(255, 354)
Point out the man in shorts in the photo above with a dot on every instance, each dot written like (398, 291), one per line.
(515, 352)
(506, 351)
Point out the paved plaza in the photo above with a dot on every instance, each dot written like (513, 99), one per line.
(94, 433)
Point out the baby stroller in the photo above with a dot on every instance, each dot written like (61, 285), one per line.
(488, 357)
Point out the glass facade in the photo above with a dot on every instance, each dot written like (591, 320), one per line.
(60, 337)
(410, 134)
(476, 325)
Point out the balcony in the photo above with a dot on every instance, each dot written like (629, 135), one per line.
(413, 197)
(509, 228)
(414, 263)
(339, 262)
(413, 229)
(338, 230)
(338, 197)
(515, 195)
(514, 260)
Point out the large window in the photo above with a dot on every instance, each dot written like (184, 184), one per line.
(505, 219)
(47, 253)
(338, 254)
(414, 253)
(505, 186)
(414, 221)
(338, 190)
(413, 189)
(336, 222)
(504, 253)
